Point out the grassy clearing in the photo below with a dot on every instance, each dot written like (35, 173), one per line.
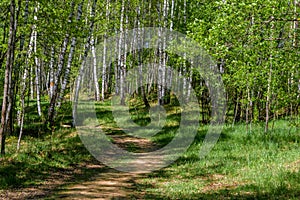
(242, 165)
(42, 153)
(39, 157)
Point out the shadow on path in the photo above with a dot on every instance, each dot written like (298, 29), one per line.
(100, 182)
(110, 184)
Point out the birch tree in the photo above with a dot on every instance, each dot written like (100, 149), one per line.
(6, 122)
(58, 74)
(69, 62)
(104, 67)
(37, 64)
(87, 47)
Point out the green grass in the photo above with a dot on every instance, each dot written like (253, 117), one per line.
(242, 165)
(42, 152)
(39, 157)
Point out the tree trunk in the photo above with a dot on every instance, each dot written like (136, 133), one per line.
(61, 62)
(87, 47)
(37, 66)
(104, 75)
(237, 108)
(51, 73)
(97, 89)
(139, 38)
(104, 81)
(69, 62)
(269, 83)
(268, 98)
(7, 91)
(121, 66)
(51, 110)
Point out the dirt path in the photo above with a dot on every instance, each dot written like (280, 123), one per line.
(109, 183)
(90, 180)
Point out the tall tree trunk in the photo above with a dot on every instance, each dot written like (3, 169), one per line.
(121, 65)
(37, 65)
(94, 58)
(104, 81)
(87, 47)
(139, 38)
(7, 91)
(22, 42)
(269, 81)
(268, 98)
(247, 108)
(184, 67)
(69, 62)
(95, 73)
(51, 73)
(51, 110)
(105, 75)
(22, 99)
(31, 83)
(164, 54)
(23, 84)
(61, 62)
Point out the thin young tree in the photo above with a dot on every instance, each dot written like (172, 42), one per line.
(5, 128)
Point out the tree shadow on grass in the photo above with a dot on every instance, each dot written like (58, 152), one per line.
(38, 159)
(215, 190)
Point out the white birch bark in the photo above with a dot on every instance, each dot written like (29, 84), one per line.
(37, 65)
(140, 40)
(69, 62)
(164, 54)
(31, 83)
(58, 74)
(103, 83)
(23, 93)
(162, 57)
(7, 93)
(121, 66)
(160, 61)
(21, 49)
(184, 72)
(95, 73)
(80, 76)
(51, 73)
(104, 80)
(269, 82)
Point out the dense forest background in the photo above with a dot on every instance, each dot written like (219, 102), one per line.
(45, 46)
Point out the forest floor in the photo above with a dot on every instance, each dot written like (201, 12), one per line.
(96, 182)
(235, 170)
(109, 183)
(242, 165)
(88, 180)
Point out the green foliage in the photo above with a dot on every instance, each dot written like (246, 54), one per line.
(240, 166)
(256, 46)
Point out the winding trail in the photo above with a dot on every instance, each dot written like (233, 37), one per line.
(89, 180)
(108, 183)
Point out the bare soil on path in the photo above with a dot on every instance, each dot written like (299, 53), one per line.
(110, 183)
(90, 180)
